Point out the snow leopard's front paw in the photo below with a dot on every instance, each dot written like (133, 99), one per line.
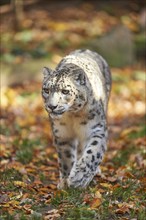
(79, 179)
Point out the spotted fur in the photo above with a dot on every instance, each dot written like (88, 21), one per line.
(76, 95)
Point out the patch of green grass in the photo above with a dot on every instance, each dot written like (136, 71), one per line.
(10, 174)
(70, 196)
(25, 152)
(137, 134)
(120, 78)
(137, 213)
(29, 95)
(7, 177)
(20, 216)
(122, 157)
(141, 214)
(72, 202)
(104, 211)
(25, 155)
(5, 130)
(124, 192)
(80, 213)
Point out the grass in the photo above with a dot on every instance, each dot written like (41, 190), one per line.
(80, 213)
(72, 201)
(122, 157)
(8, 177)
(127, 191)
(137, 134)
(25, 152)
(21, 217)
(71, 196)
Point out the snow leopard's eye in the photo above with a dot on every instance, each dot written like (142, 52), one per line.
(65, 91)
(46, 90)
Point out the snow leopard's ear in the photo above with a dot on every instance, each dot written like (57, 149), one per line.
(79, 77)
(46, 71)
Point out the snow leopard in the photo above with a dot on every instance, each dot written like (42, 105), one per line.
(76, 98)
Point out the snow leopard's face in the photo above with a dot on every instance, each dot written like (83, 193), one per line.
(64, 90)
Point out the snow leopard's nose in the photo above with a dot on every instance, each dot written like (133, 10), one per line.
(52, 107)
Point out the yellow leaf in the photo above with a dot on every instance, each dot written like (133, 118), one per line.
(6, 205)
(19, 183)
(106, 185)
(98, 195)
(95, 203)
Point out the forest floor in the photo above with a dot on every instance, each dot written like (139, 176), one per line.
(29, 169)
(28, 166)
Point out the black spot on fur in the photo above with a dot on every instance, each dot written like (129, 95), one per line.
(100, 125)
(82, 97)
(62, 123)
(96, 163)
(98, 155)
(91, 116)
(94, 142)
(59, 155)
(98, 136)
(73, 146)
(93, 102)
(93, 158)
(103, 135)
(94, 126)
(64, 173)
(83, 123)
(67, 153)
(88, 165)
(62, 143)
(98, 112)
(103, 148)
(92, 168)
(65, 167)
(95, 136)
(84, 170)
(89, 151)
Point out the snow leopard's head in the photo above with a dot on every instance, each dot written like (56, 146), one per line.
(64, 89)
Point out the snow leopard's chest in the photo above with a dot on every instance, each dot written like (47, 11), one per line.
(78, 126)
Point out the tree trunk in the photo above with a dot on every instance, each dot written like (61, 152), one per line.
(17, 7)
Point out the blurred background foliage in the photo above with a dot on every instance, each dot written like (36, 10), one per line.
(35, 33)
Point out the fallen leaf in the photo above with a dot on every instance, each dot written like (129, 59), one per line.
(122, 210)
(95, 203)
(20, 183)
(52, 215)
(106, 185)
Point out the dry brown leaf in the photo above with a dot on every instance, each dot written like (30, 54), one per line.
(122, 210)
(52, 214)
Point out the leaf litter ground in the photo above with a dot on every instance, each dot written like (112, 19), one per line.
(29, 169)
